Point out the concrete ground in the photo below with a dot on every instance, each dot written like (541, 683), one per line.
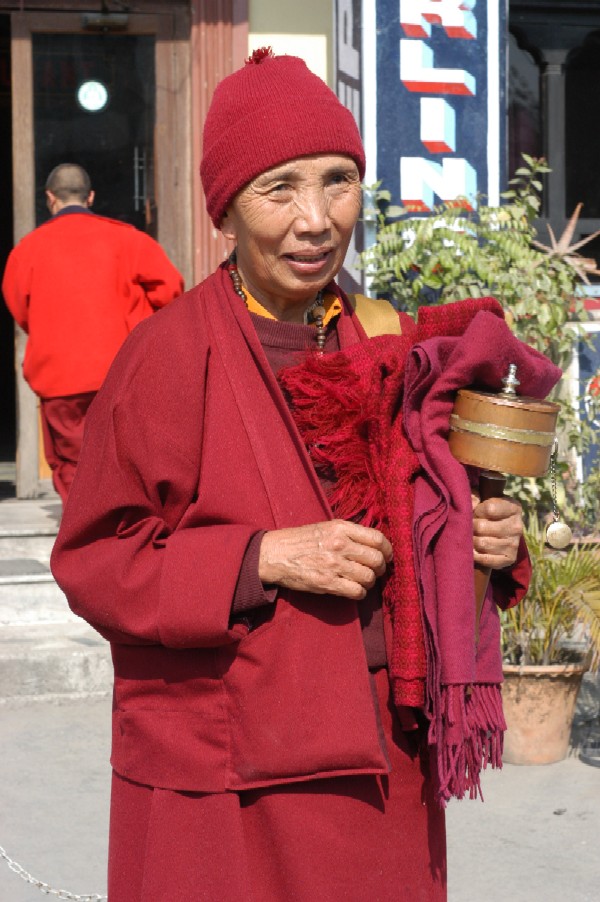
(55, 785)
(534, 839)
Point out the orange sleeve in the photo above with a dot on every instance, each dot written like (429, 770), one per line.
(154, 272)
(16, 286)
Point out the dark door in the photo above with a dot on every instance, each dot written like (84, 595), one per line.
(7, 368)
(94, 104)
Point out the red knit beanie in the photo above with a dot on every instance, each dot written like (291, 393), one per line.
(272, 110)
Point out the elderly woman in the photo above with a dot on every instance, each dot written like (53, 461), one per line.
(258, 750)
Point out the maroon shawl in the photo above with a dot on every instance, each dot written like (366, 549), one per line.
(375, 417)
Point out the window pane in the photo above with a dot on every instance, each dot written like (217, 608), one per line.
(524, 131)
(583, 127)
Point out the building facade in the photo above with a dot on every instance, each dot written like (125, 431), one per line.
(447, 93)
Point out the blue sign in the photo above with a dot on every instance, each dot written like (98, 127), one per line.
(348, 56)
(440, 100)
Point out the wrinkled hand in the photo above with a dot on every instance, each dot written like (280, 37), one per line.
(497, 531)
(337, 557)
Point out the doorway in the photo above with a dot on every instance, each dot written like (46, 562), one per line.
(7, 369)
(94, 104)
(111, 93)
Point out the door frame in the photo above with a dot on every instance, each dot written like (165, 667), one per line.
(173, 183)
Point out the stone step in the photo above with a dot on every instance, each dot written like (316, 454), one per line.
(34, 547)
(33, 599)
(53, 660)
(22, 570)
(45, 650)
(18, 517)
(28, 529)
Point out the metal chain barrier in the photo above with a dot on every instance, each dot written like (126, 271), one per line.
(45, 888)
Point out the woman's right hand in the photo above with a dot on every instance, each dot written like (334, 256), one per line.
(335, 557)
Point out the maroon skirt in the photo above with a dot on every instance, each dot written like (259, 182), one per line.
(63, 421)
(357, 838)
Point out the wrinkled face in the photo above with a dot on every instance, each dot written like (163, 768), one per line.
(292, 225)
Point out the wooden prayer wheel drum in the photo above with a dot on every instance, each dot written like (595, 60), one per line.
(501, 434)
(507, 434)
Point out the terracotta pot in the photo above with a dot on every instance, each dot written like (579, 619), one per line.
(539, 704)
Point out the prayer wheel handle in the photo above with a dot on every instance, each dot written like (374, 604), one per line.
(491, 485)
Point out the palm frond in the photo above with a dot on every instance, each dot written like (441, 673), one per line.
(562, 605)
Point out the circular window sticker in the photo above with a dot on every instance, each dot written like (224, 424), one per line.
(92, 96)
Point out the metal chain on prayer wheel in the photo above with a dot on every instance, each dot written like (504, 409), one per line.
(504, 434)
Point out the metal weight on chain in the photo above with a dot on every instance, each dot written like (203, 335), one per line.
(558, 534)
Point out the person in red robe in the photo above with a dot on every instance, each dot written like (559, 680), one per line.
(77, 285)
(259, 753)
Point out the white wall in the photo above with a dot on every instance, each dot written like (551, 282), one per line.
(298, 27)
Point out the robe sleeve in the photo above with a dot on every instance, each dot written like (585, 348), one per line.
(130, 558)
(250, 593)
(509, 586)
(16, 284)
(154, 272)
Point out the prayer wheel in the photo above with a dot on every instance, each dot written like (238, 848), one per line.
(501, 434)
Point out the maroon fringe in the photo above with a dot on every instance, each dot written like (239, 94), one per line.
(347, 407)
(467, 733)
(332, 417)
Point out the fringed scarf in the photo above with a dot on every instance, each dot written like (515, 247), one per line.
(375, 421)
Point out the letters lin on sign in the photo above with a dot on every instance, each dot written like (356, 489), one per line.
(454, 176)
(448, 142)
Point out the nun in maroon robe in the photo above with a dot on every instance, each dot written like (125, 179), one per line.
(259, 752)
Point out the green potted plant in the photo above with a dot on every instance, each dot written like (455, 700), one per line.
(459, 252)
(548, 642)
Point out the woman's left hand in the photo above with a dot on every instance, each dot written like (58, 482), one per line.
(497, 532)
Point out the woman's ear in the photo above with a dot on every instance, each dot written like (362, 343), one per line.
(227, 226)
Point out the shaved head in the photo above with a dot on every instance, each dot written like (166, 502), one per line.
(69, 182)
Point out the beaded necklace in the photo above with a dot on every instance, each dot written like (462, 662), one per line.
(315, 313)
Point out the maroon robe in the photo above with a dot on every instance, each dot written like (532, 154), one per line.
(191, 449)
(248, 765)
